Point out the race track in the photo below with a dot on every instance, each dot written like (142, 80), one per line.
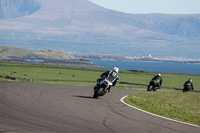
(44, 108)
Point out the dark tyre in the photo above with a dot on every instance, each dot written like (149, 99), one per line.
(154, 89)
(150, 88)
(94, 96)
(185, 90)
(98, 92)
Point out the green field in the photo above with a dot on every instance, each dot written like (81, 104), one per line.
(169, 101)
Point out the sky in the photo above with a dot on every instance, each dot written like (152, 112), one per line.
(152, 6)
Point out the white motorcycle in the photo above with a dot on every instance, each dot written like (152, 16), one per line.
(102, 88)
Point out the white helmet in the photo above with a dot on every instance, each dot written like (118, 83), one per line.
(159, 74)
(116, 69)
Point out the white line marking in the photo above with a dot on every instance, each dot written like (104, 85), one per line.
(122, 100)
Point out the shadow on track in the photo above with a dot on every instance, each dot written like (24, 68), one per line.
(89, 97)
(132, 83)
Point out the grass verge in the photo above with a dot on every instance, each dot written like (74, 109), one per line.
(174, 104)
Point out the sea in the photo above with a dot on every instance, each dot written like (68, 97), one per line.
(193, 69)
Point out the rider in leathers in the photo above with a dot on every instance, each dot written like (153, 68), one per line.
(112, 74)
(158, 80)
(188, 86)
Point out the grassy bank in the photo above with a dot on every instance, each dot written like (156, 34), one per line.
(169, 101)
(176, 105)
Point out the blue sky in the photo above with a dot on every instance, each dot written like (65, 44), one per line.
(152, 6)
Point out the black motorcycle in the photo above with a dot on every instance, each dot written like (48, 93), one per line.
(152, 86)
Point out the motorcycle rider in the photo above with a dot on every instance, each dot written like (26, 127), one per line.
(158, 81)
(112, 75)
(188, 86)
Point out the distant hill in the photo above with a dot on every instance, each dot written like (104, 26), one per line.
(80, 26)
(6, 52)
(12, 52)
(50, 57)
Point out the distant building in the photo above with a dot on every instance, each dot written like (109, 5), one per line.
(147, 57)
(150, 56)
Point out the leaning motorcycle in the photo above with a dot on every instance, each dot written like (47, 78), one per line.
(186, 89)
(102, 88)
(152, 86)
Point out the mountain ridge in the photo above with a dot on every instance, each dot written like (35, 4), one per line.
(108, 18)
(72, 24)
(12, 9)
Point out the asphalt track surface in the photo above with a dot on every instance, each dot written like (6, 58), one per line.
(44, 108)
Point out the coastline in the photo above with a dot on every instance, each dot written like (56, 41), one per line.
(151, 66)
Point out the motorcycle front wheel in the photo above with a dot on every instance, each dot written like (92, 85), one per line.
(150, 88)
(98, 92)
(185, 90)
